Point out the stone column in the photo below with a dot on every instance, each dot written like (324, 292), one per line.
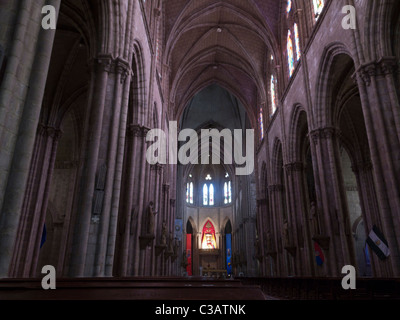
(143, 199)
(301, 238)
(335, 211)
(381, 113)
(370, 209)
(117, 184)
(262, 226)
(155, 192)
(12, 195)
(111, 129)
(171, 217)
(164, 217)
(277, 227)
(35, 203)
(102, 68)
(128, 211)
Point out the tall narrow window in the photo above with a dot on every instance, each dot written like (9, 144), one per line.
(229, 192)
(288, 7)
(226, 192)
(205, 195)
(261, 123)
(290, 53)
(318, 7)
(191, 193)
(211, 194)
(297, 40)
(273, 94)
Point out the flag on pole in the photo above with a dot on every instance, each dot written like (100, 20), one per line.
(378, 243)
(319, 255)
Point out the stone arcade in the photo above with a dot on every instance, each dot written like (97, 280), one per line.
(77, 103)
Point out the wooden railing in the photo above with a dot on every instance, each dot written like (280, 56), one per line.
(326, 288)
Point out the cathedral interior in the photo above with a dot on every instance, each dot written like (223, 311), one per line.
(317, 82)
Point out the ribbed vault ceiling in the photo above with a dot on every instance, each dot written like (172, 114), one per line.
(224, 42)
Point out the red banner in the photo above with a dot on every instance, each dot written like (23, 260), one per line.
(189, 254)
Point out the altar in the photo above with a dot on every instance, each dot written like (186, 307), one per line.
(215, 273)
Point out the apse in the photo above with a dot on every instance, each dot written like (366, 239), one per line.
(212, 194)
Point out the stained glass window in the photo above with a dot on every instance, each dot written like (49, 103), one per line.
(191, 193)
(261, 122)
(318, 7)
(226, 193)
(290, 53)
(229, 192)
(297, 40)
(288, 7)
(205, 195)
(273, 94)
(211, 196)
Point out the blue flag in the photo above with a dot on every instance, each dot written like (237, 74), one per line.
(228, 254)
(44, 236)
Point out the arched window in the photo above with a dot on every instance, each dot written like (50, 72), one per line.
(189, 192)
(318, 7)
(205, 195)
(290, 53)
(288, 7)
(297, 41)
(208, 192)
(227, 192)
(273, 94)
(292, 39)
(261, 123)
(211, 194)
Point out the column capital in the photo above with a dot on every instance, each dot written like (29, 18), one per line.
(362, 166)
(276, 188)
(157, 167)
(123, 68)
(324, 133)
(49, 131)
(294, 166)
(145, 131)
(103, 62)
(134, 130)
(388, 65)
(298, 13)
(380, 67)
(106, 62)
